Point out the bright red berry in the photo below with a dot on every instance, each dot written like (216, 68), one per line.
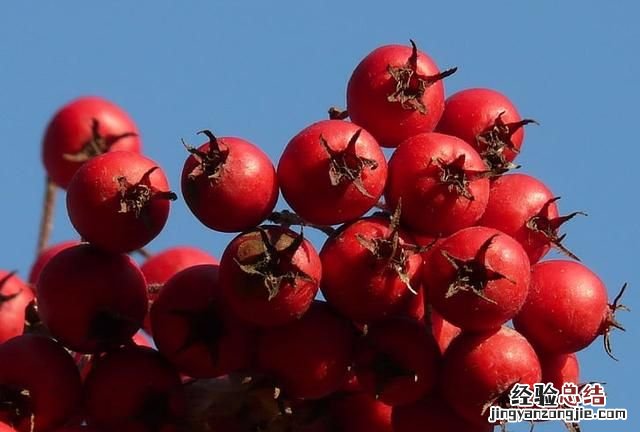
(359, 412)
(487, 120)
(270, 276)
(440, 180)
(567, 308)
(481, 368)
(443, 331)
(84, 128)
(119, 201)
(559, 369)
(91, 300)
(370, 269)
(396, 92)
(478, 278)
(332, 172)
(524, 208)
(229, 184)
(15, 295)
(40, 385)
(193, 328)
(309, 358)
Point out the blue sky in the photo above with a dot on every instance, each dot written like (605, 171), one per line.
(265, 70)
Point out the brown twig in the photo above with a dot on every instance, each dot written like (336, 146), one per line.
(143, 253)
(46, 221)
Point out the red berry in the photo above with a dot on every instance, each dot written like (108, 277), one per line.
(160, 267)
(6, 428)
(119, 201)
(193, 328)
(478, 278)
(487, 120)
(229, 184)
(309, 358)
(44, 257)
(270, 276)
(524, 208)
(40, 386)
(91, 300)
(369, 269)
(559, 369)
(359, 412)
(566, 309)
(84, 128)
(15, 295)
(432, 413)
(481, 368)
(134, 389)
(332, 172)
(397, 361)
(441, 181)
(396, 92)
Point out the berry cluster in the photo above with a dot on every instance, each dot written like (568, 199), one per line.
(429, 255)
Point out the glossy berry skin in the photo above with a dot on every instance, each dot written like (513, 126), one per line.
(566, 308)
(476, 116)
(308, 358)
(332, 172)
(6, 428)
(559, 369)
(478, 278)
(69, 140)
(15, 295)
(397, 361)
(44, 257)
(193, 328)
(440, 180)
(119, 201)
(359, 281)
(433, 413)
(480, 368)
(359, 412)
(514, 199)
(372, 101)
(231, 190)
(134, 389)
(160, 267)
(47, 372)
(270, 276)
(109, 298)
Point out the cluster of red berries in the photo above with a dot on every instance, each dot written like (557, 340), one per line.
(418, 286)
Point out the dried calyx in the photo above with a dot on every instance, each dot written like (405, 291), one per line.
(496, 139)
(275, 266)
(135, 197)
(336, 113)
(456, 177)
(205, 327)
(109, 329)
(548, 227)
(610, 322)
(410, 86)
(7, 297)
(97, 144)
(473, 275)
(210, 162)
(391, 250)
(345, 166)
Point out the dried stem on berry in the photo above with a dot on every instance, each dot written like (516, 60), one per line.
(610, 322)
(288, 218)
(97, 144)
(135, 197)
(410, 85)
(210, 163)
(540, 223)
(336, 113)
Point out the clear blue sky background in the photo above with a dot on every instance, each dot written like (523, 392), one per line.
(264, 70)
